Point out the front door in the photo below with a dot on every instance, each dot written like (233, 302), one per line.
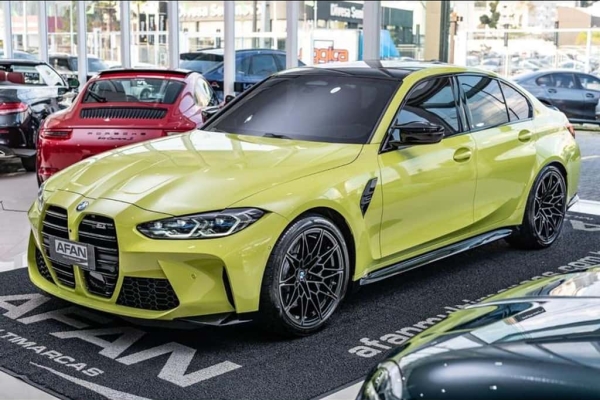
(428, 190)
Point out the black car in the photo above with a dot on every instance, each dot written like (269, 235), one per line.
(576, 94)
(540, 340)
(67, 65)
(29, 92)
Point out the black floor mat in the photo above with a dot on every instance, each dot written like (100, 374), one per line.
(83, 355)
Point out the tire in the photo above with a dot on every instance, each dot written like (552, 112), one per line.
(544, 213)
(292, 303)
(29, 163)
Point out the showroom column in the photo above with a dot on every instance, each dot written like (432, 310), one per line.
(292, 14)
(126, 34)
(8, 43)
(173, 32)
(43, 29)
(82, 55)
(372, 30)
(229, 56)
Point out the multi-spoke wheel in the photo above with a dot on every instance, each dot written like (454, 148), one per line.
(306, 277)
(545, 211)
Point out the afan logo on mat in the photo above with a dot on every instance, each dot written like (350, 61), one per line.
(175, 370)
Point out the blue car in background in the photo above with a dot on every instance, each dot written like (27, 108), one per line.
(251, 66)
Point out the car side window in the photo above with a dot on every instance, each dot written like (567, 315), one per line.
(263, 65)
(433, 101)
(544, 81)
(565, 81)
(518, 106)
(281, 61)
(484, 101)
(589, 82)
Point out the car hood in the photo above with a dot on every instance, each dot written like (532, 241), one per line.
(198, 171)
(544, 331)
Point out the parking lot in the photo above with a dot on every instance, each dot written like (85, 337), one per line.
(75, 353)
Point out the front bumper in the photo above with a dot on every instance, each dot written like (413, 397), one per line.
(192, 277)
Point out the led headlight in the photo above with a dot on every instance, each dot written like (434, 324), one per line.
(40, 196)
(202, 226)
(385, 383)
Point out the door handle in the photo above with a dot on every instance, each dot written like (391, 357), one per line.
(589, 95)
(551, 90)
(525, 135)
(462, 154)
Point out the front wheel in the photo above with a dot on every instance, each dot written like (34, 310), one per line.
(306, 277)
(544, 213)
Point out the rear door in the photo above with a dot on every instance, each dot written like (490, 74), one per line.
(591, 93)
(501, 122)
(567, 95)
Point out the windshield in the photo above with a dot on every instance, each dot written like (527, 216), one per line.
(200, 62)
(94, 64)
(338, 109)
(30, 74)
(134, 90)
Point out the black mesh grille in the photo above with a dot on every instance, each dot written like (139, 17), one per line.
(148, 294)
(55, 224)
(42, 267)
(100, 232)
(123, 113)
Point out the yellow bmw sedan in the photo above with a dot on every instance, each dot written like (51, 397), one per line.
(311, 182)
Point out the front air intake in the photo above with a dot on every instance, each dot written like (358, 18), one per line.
(123, 113)
(56, 224)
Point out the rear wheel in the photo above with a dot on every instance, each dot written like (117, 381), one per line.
(544, 213)
(306, 277)
(29, 163)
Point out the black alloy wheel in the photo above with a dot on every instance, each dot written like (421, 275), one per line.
(545, 211)
(306, 277)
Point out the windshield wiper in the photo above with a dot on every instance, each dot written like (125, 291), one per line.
(275, 135)
(96, 97)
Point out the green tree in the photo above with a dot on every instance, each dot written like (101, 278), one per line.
(492, 19)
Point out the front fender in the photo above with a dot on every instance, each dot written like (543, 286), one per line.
(339, 189)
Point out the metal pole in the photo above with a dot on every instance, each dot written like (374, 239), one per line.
(292, 14)
(8, 40)
(588, 51)
(372, 30)
(43, 30)
(25, 27)
(173, 33)
(81, 43)
(72, 36)
(125, 34)
(229, 48)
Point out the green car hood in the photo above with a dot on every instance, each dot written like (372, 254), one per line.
(198, 171)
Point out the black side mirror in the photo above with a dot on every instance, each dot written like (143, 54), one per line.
(229, 98)
(73, 83)
(418, 132)
(209, 112)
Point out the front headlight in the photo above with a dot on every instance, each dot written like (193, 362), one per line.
(40, 196)
(385, 383)
(202, 226)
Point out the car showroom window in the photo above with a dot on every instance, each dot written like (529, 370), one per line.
(431, 101)
(323, 108)
(484, 101)
(589, 82)
(518, 106)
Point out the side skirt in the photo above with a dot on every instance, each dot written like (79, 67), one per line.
(435, 255)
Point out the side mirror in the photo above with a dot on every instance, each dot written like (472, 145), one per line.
(229, 98)
(209, 112)
(418, 132)
(73, 83)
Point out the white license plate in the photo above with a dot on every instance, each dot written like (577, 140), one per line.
(69, 252)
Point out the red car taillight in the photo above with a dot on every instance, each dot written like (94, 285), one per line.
(56, 134)
(12, 108)
(571, 129)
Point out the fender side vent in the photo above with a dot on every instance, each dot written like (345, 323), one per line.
(367, 195)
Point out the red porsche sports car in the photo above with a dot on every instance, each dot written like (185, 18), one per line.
(120, 107)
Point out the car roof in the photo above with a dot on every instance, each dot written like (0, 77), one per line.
(221, 51)
(534, 74)
(390, 69)
(158, 71)
(20, 61)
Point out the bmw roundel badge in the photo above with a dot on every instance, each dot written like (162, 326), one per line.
(82, 206)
